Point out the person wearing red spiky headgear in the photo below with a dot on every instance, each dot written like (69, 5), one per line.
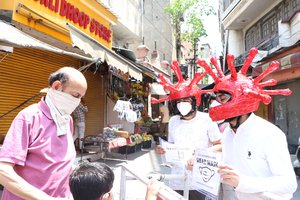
(189, 128)
(255, 153)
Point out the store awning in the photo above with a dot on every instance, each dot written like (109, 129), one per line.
(11, 36)
(92, 47)
(88, 46)
(157, 89)
(158, 70)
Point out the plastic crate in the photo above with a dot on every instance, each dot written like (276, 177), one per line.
(127, 149)
(147, 144)
(138, 147)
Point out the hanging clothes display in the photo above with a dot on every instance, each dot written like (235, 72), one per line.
(125, 111)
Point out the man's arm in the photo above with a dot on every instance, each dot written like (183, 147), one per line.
(249, 184)
(217, 146)
(17, 185)
(153, 188)
(215, 136)
(282, 180)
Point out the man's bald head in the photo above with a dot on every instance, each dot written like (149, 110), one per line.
(64, 74)
(69, 78)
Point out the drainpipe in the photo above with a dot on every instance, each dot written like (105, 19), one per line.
(225, 49)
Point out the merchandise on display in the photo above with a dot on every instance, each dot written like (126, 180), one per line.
(125, 111)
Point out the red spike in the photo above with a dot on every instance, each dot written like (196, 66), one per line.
(175, 67)
(213, 60)
(270, 82)
(230, 62)
(208, 69)
(166, 84)
(155, 101)
(249, 60)
(265, 98)
(272, 67)
(162, 78)
(285, 92)
(198, 76)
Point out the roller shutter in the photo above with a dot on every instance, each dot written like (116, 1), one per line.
(23, 74)
(95, 100)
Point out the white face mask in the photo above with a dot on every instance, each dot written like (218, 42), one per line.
(64, 102)
(184, 108)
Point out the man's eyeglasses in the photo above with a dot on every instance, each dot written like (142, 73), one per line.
(222, 97)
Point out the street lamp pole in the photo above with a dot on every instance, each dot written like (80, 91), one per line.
(195, 56)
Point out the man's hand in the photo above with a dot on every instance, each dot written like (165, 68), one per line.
(153, 189)
(229, 175)
(160, 150)
(190, 164)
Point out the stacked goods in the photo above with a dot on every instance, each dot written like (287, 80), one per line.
(128, 149)
(124, 134)
(147, 141)
(138, 140)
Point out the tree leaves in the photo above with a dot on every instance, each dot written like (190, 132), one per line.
(188, 15)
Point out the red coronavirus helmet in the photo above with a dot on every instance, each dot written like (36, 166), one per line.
(183, 88)
(245, 92)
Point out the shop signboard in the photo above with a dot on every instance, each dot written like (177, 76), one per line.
(51, 16)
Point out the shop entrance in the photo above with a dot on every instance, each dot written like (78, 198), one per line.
(287, 114)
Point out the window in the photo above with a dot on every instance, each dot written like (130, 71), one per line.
(267, 27)
(286, 10)
(252, 36)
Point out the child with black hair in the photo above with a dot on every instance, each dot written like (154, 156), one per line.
(94, 181)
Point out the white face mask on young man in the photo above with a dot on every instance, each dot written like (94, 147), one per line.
(184, 108)
(64, 102)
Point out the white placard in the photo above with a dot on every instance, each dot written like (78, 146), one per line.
(175, 153)
(206, 178)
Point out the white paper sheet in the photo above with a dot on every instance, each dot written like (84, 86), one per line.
(175, 153)
(205, 172)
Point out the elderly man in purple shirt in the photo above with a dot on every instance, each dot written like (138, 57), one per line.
(38, 152)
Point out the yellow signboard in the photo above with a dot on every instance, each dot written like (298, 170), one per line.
(51, 16)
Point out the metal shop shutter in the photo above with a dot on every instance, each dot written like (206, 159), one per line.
(95, 100)
(23, 74)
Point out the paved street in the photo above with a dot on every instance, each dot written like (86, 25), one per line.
(142, 163)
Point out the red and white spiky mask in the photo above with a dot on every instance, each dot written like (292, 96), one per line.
(246, 92)
(183, 88)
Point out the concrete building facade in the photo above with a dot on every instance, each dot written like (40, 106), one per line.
(143, 22)
(272, 27)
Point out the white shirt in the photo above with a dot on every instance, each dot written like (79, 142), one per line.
(259, 151)
(165, 111)
(198, 132)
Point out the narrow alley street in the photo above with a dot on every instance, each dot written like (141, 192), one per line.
(143, 163)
